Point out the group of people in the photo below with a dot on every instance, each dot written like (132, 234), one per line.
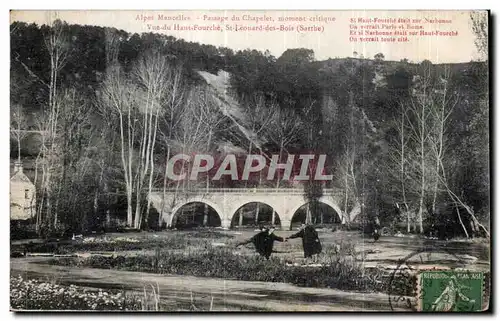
(264, 240)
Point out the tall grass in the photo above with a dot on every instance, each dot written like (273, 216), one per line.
(31, 294)
(38, 295)
(340, 267)
(103, 244)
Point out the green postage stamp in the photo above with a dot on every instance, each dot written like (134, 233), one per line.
(450, 291)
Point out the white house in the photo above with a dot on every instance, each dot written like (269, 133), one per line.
(22, 195)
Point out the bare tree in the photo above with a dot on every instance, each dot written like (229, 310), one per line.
(259, 115)
(112, 45)
(443, 106)
(480, 28)
(211, 118)
(18, 126)
(118, 93)
(400, 157)
(138, 101)
(196, 125)
(72, 132)
(57, 45)
(153, 75)
(352, 165)
(441, 109)
(171, 118)
(284, 129)
(419, 112)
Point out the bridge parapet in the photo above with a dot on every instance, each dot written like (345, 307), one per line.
(290, 191)
(227, 201)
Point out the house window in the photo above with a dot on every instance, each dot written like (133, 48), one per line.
(26, 193)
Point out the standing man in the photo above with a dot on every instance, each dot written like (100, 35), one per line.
(376, 229)
(263, 241)
(310, 240)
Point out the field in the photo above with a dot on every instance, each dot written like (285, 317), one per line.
(203, 270)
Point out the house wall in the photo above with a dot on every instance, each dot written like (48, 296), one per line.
(22, 200)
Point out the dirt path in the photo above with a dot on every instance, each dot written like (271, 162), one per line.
(227, 295)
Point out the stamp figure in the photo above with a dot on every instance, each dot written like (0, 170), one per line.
(450, 291)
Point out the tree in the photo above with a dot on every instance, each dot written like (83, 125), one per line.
(419, 106)
(297, 56)
(401, 161)
(379, 57)
(284, 129)
(259, 114)
(118, 97)
(138, 100)
(18, 124)
(57, 45)
(354, 163)
(153, 75)
(205, 113)
(480, 28)
(174, 109)
(112, 44)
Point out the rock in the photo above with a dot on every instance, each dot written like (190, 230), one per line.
(16, 254)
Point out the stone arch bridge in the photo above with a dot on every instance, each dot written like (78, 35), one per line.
(227, 201)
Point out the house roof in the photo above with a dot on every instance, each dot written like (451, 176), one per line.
(19, 176)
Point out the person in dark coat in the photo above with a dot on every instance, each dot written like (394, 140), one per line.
(376, 229)
(263, 241)
(310, 240)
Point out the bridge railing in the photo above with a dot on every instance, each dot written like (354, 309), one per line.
(292, 191)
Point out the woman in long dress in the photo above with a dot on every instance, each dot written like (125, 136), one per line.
(448, 299)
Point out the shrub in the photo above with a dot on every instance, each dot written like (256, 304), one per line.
(340, 269)
(105, 244)
(37, 295)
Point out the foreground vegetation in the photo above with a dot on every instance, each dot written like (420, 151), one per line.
(124, 243)
(32, 294)
(339, 267)
(29, 294)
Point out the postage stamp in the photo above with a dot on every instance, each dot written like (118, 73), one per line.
(242, 160)
(450, 291)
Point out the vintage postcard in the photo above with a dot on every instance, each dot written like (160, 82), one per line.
(273, 160)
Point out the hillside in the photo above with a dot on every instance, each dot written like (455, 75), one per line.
(117, 106)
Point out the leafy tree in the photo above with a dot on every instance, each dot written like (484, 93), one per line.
(379, 57)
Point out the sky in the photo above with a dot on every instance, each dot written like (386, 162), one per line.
(328, 39)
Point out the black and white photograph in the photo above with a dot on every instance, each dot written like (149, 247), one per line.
(250, 161)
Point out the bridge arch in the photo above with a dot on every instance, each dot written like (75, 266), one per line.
(265, 210)
(175, 210)
(332, 205)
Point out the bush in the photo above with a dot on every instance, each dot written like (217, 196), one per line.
(104, 244)
(37, 295)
